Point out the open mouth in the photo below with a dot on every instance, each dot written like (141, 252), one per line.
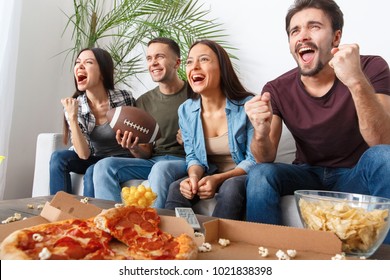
(197, 78)
(306, 53)
(81, 78)
(156, 71)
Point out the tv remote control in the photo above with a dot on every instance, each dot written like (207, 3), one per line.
(189, 215)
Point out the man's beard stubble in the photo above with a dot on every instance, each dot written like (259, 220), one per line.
(310, 73)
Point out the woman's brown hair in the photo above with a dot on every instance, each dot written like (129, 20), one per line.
(230, 84)
(106, 66)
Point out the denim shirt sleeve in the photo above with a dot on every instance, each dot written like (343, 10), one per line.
(241, 133)
(187, 122)
(249, 160)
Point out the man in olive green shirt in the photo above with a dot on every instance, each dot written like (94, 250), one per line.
(167, 153)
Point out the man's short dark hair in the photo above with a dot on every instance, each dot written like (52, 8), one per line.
(171, 43)
(329, 7)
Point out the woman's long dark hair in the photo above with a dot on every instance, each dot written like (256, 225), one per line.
(230, 84)
(106, 66)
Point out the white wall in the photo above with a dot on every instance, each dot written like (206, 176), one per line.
(256, 28)
(41, 82)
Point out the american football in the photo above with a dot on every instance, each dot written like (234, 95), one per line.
(135, 120)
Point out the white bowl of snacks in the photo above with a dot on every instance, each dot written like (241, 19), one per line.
(360, 221)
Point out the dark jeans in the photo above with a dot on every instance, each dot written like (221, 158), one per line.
(230, 198)
(267, 182)
(65, 161)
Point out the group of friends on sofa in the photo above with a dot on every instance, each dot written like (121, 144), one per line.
(219, 138)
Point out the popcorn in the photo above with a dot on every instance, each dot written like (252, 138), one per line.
(44, 254)
(84, 200)
(338, 257)
(30, 206)
(224, 242)
(263, 252)
(40, 206)
(281, 255)
(198, 234)
(37, 237)
(14, 218)
(205, 247)
(292, 253)
(118, 205)
(288, 255)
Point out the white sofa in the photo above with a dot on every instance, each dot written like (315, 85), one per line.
(49, 142)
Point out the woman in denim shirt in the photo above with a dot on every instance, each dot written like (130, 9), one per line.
(216, 134)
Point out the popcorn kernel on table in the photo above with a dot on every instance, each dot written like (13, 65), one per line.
(263, 251)
(205, 247)
(224, 242)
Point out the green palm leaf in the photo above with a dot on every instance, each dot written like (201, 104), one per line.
(125, 27)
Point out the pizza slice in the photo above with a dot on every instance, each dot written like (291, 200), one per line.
(68, 239)
(138, 228)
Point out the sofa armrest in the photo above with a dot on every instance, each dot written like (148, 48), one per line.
(47, 143)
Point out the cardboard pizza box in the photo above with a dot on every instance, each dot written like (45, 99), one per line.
(63, 206)
(246, 237)
(66, 206)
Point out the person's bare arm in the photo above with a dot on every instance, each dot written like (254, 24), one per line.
(189, 186)
(373, 110)
(208, 185)
(267, 128)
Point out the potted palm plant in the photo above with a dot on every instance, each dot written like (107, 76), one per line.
(123, 27)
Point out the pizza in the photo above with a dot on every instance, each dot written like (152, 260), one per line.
(68, 239)
(119, 233)
(138, 229)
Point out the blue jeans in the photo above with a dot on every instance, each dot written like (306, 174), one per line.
(161, 171)
(267, 182)
(63, 162)
(230, 198)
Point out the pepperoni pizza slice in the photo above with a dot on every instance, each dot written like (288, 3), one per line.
(138, 228)
(68, 239)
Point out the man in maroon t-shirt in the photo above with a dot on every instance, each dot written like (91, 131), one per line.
(336, 104)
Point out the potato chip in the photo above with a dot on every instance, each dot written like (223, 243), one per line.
(357, 228)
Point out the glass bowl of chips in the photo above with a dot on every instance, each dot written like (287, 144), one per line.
(360, 221)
